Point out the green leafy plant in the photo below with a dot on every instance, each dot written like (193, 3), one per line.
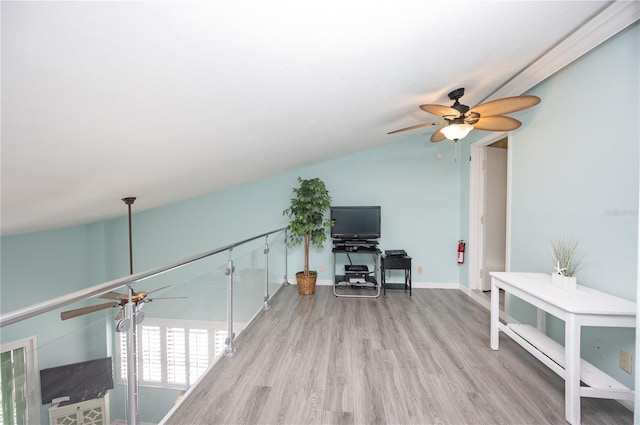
(565, 260)
(307, 222)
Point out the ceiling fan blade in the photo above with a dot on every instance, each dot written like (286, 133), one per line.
(505, 106)
(497, 124)
(113, 296)
(166, 298)
(413, 127)
(441, 111)
(85, 310)
(438, 136)
(159, 289)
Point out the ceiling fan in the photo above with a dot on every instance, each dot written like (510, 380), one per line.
(138, 298)
(120, 300)
(460, 119)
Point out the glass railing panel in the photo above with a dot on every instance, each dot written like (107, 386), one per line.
(179, 337)
(184, 311)
(249, 283)
(277, 262)
(61, 359)
(182, 330)
(259, 273)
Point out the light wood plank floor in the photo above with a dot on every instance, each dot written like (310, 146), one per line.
(393, 360)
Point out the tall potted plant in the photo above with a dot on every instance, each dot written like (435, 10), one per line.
(307, 225)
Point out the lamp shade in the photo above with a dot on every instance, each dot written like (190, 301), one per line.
(456, 132)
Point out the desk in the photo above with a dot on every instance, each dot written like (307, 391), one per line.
(396, 263)
(580, 307)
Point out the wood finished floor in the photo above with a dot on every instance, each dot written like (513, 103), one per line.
(396, 359)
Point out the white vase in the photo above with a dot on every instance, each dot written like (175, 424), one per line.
(564, 282)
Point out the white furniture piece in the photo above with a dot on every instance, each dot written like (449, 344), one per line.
(580, 307)
(89, 412)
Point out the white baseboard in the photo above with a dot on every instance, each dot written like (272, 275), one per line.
(435, 285)
(415, 285)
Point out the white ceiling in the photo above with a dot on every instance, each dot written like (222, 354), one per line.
(171, 100)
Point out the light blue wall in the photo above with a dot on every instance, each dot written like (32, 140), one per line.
(44, 265)
(575, 174)
(31, 261)
(419, 195)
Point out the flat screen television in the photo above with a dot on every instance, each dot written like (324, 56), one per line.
(79, 381)
(356, 222)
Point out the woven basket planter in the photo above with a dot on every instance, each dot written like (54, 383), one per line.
(306, 283)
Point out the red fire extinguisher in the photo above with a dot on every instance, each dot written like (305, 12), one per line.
(461, 246)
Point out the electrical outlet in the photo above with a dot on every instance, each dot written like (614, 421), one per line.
(625, 361)
(598, 347)
(419, 269)
(321, 268)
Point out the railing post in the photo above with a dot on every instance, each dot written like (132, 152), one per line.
(286, 258)
(132, 360)
(266, 273)
(229, 351)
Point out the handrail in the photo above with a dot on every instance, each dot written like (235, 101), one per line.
(45, 306)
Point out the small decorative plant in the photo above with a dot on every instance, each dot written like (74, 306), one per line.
(564, 257)
(307, 224)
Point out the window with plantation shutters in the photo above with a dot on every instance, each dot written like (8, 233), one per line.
(173, 353)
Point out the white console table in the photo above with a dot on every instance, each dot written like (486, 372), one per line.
(89, 412)
(581, 307)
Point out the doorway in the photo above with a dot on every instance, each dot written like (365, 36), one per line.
(488, 212)
(495, 211)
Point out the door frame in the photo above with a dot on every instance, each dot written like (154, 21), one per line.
(477, 197)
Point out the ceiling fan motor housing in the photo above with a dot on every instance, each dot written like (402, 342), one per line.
(455, 95)
(460, 108)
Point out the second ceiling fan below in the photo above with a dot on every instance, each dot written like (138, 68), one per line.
(460, 119)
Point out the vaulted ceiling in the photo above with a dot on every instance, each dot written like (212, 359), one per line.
(171, 100)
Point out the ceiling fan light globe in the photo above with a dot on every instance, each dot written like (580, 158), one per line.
(456, 132)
